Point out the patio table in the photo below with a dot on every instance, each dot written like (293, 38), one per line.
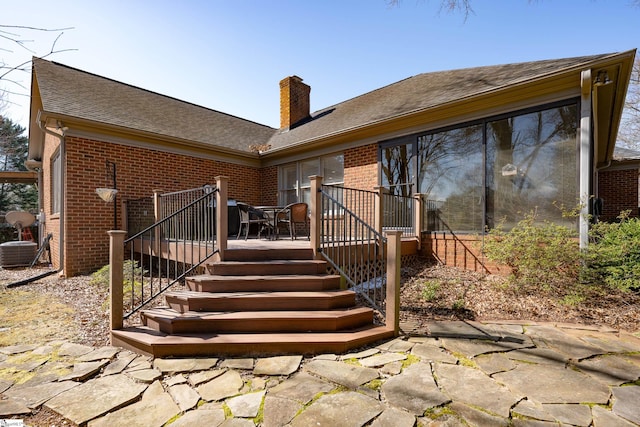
(272, 213)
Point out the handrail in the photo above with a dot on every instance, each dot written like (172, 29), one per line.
(176, 200)
(166, 252)
(351, 245)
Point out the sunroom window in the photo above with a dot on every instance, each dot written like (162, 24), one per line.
(493, 171)
(294, 184)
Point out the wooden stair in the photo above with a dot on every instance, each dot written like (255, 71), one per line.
(256, 302)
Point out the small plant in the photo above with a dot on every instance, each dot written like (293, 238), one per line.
(430, 290)
(573, 299)
(458, 304)
(131, 272)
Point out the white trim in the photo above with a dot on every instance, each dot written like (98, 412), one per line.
(585, 157)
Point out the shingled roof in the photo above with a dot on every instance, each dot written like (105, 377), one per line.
(421, 92)
(70, 92)
(67, 91)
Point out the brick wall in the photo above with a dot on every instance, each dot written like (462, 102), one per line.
(269, 184)
(139, 172)
(619, 191)
(464, 252)
(361, 167)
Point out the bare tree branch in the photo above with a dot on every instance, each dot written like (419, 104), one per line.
(449, 6)
(13, 38)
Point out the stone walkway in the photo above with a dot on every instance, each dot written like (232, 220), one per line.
(461, 374)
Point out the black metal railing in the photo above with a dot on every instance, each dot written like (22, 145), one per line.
(351, 245)
(398, 213)
(162, 255)
(178, 200)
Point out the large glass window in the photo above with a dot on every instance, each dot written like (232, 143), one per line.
(396, 163)
(450, 177)
(492, 171)
(294, 183)
(531, 165)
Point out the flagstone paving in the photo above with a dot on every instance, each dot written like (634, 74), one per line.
(457, 374)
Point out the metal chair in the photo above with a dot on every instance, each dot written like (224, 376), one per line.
(292, 214)
(250, 215)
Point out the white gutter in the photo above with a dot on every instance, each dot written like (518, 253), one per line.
(584, 156)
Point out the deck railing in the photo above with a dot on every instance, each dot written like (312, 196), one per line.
(345, 231)
(399, 212)
(163, 254)
(351, 244)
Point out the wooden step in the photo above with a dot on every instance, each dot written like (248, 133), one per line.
(143, 339)
(271, 267)
(267, 254)
(282, 283)
(171, 322)
(184, 301)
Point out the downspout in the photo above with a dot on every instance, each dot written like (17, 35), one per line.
(63, 162)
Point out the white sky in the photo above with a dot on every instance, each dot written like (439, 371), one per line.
(229, 55)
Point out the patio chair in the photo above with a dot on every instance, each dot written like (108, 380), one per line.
(292, 214)
(250, 215)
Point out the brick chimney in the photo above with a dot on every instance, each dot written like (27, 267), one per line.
(294, 101)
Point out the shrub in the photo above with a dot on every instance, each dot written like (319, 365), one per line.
(130, 270)
(613, 255)
(430, 290)
(539, 253)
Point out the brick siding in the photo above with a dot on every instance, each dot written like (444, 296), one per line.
(619, 191)
(139, 172)
(361, 167)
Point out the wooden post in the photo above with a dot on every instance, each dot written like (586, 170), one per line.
(392, 312)
(418, 217)
(157, 213)
(222, 214)
(315, 210)
(116, 264)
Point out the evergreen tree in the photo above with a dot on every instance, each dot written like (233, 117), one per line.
(14, 148)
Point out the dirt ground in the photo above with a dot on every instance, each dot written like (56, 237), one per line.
(436, 292)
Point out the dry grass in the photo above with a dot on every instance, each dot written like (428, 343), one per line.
(45, 318)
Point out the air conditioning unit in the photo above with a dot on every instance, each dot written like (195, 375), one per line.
(17, 254)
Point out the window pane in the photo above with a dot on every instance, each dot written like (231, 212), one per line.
(56, 176)
(289, 179)
(307, 169)
(450, 176)
(397, 169)
(333, 169)
(531, 165)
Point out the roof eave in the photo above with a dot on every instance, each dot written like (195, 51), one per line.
(77, 124)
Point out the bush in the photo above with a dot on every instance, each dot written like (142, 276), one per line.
(130, 270)
(538, 253)
(613, 255)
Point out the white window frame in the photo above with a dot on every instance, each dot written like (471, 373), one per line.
(299, 186)
(56, 182)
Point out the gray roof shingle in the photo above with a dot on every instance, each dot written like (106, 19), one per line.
(75, 93)
(420, 92)
(68, 91)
